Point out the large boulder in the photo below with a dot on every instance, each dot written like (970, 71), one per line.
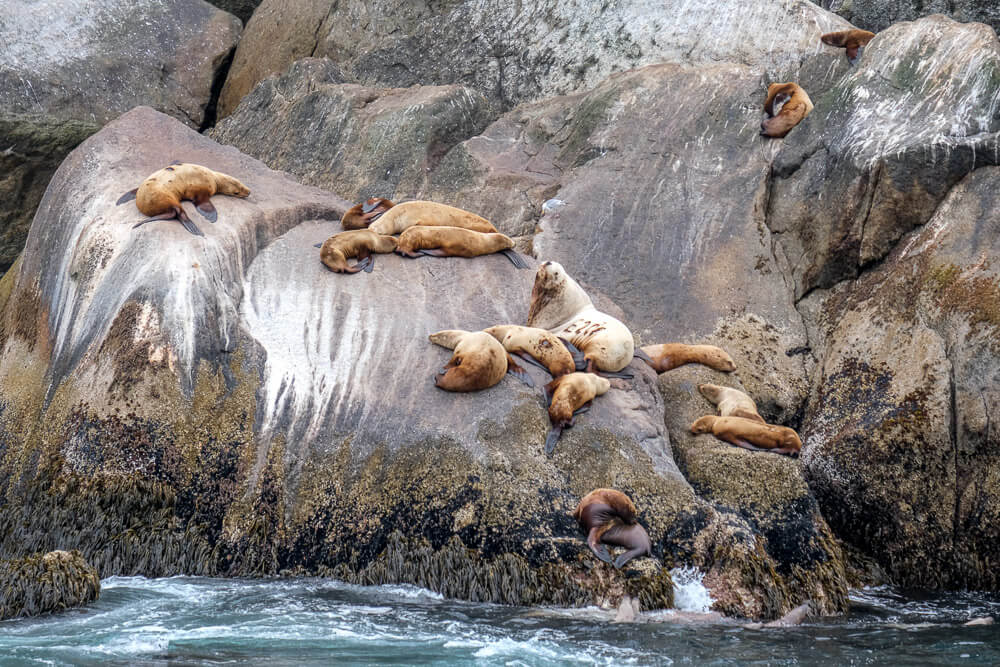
(884, 146)
(517, 52)
(901, 449)
(46, 583)
(876, 15)
(225, 405)
(69, 68)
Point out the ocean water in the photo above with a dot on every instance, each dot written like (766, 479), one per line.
(311, 621)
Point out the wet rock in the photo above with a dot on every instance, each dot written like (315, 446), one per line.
(46, 583)
(519, 52)
(876, 15)
(241, 9)
(884, 146)
(900, 446)
(225, 405)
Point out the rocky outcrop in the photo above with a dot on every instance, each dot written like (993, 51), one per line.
(225, 405)
(884, 146)
(876, 15)
(902, 450)
(241, 9)
(46, 583)
(69, 68)
(519, 52)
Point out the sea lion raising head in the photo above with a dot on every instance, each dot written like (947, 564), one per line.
(560, 305)
(668, 356)
(361, 215)
(750, 434)
(160, 195)
(853, 41)
(430, 214)
(731, 402)
(606, 517)
(538, 347)
(359, 243)
(570, 395)
(455, 242)
(785, 107)
(478, 362)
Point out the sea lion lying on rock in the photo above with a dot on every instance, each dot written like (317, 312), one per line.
(608, 517)
(568, 396)
(668, 356)
(383, 216)
(359, 243)
(731, 402)
(539, 347)
(479, 361)
(750, 434)
(455, 242)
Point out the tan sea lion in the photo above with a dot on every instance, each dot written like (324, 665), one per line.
(359, 243)
(731, 402)
(160, 195)
(361, 215)
(560, 305)
(786, 105)
(479, 361)
(854, 41)
(430, 214)
(668, 356)
(608, 516)
(570, 395)
(455, 242)
(538, 347)
(750, 434)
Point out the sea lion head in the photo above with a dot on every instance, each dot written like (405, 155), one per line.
(790, 440)
(703, 424)
(712, 392)
(231, 186)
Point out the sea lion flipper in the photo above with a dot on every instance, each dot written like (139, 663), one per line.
(433, 252)
(627, 556)
(594, 542)
(191, 227)
(583, 408)
(531, 360)
(616, 374)
(369, 262)
(514, 258)
(645, 357)
(740, 442)
(317, 245)
(163, 216)
(579, 360)
(205, 207)
(517, 371)
(552, 438)
(128, 196)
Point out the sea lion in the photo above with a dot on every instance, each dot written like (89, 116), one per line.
(359, 243)
(455, 242)
(786, 105)
(607, 516)
(731, 402)
(570, 395)
(400, 217)
(478, 362)
(538, 347)
(361, 215)
(854, 41)
(560, 305)
(160, 195)
(668, 356)
(750, 434)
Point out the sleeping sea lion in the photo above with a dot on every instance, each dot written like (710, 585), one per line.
(537, 347)
(570, 395)
(607, 516)
(560, 305)
(750, 434)
(455, 242)
(359, 243)
(400, 217)
(479, 361)
(854, 41)
(731, 402)
(160, 195)
(361, 215)
(786, 105)
(667, 356)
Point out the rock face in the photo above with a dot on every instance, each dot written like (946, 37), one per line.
(518, 52)
(70, 67)
(45, 583)
(225, 405)
(876, 15)
(241, 9)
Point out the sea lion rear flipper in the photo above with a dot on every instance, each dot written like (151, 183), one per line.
(578, 359)
(433, 252)
(163, 216)
(551, 439)
(616, 374)
(191, 227)
(645, 357)
(128, 196)
(514, 258)
(317, 245)
(627, 556)
(593, 541)
(740, 442)
(583, 408)
(531, 360)
(518, 372)
(369, 263)
(205, 207)
(794, 453)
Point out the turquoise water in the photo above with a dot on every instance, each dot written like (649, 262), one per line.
(200, 621)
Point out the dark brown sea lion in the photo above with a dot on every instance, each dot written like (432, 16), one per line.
(606, 517)
(785, 107)
(668, 356)
(359, 243)
(429, 214)
(854, 41)
(731, 402)
(455, 242)
(570, 395)
(478, 362)
(750, 434)
(361, 215)
(161, 194)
